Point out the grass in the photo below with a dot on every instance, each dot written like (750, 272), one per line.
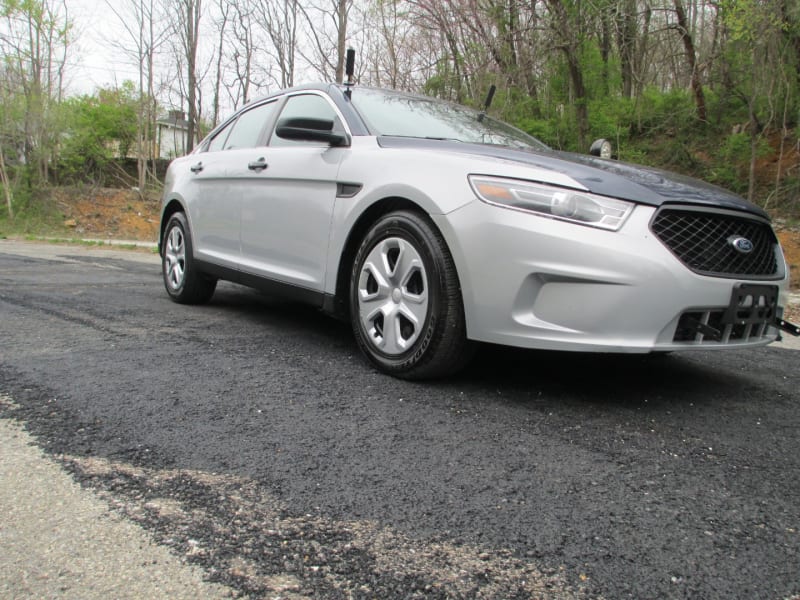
(35, 215)
(32, 224)
(84, 242)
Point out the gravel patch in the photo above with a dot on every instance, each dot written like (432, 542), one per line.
(60, 541)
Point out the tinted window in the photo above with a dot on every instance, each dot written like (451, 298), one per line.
(247, 129)
(306, 106)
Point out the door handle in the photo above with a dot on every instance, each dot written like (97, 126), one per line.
(257, 165)
(196, 168)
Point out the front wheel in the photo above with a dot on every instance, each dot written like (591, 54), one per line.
(405, 300)
(184, 283)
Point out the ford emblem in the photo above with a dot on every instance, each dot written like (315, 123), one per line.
(741, 244)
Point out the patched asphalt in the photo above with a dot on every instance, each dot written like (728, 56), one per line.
(251, 439)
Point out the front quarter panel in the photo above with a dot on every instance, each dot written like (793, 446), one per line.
(437, 184)
(434, 180)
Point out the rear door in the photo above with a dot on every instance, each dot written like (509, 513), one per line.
(216, 209)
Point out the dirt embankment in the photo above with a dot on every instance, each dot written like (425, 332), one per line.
(106, 213)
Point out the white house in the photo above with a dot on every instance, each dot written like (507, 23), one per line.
(172, 135)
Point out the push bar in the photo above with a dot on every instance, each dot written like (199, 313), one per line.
(788, 327)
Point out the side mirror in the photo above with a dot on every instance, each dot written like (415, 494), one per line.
(601, 148)
(310, 130)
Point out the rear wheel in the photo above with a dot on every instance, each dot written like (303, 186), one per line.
(406, 308)
(184, 283)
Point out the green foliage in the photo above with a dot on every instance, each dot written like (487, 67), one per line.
(543, 129)
(658, 113)
(731, 163)
(445, 83)
(747, 20)
(600, 78)
(512, 105)
(99, 128)
(36, 213)
(611, 118)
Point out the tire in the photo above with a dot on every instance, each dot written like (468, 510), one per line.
(405, 300)
(184, 283)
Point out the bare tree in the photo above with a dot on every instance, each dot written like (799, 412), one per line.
(142, 22)
(224, 8)
(567, 24)
(35, 42)
(280, 20)
(244, 48)
(690, 51)
(625, 13)
(442, 21)
(392, 44)
(190, 30)
(326, 30)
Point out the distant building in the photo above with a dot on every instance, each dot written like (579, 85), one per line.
(172, 135)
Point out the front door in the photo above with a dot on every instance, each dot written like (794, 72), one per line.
(287, 205)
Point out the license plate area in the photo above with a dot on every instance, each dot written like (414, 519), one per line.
(751, 304)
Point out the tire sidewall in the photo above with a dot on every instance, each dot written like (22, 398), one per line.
(400, 225)
(177, 220)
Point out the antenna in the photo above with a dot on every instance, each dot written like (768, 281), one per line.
(350, 65)
(488, 102)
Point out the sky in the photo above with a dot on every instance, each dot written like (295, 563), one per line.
(93, 61)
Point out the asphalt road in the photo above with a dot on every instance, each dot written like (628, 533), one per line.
(250, 438)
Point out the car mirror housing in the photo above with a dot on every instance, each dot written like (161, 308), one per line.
(311, 130)
(602, 148)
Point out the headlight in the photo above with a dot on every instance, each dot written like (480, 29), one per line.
(558, 203)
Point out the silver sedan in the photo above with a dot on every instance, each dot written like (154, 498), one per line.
(430, 227)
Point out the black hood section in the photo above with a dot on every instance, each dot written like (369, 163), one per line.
(604, 177)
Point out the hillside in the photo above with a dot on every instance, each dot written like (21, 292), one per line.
(108, 213)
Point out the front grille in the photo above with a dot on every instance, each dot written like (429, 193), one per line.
(703, 242)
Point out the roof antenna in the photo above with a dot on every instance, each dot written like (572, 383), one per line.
(488, 102)
(349, 69)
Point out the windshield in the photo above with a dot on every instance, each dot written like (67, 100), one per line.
(398, 114)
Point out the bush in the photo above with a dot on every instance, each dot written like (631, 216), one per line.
(35, 212)
(731, 165)
(663, 112)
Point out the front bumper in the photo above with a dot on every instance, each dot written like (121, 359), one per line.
(534, 282)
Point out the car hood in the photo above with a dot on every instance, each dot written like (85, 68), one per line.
(611, 178)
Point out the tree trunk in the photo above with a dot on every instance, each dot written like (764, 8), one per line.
(224, 7)
(691, 60)
(6, 185)
(569, 32)
(626, 42)
(341, 40)
(581, 111)
(192, 25)
(605, 48)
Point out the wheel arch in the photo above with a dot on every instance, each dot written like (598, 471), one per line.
(170, 208)
(339, 304)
